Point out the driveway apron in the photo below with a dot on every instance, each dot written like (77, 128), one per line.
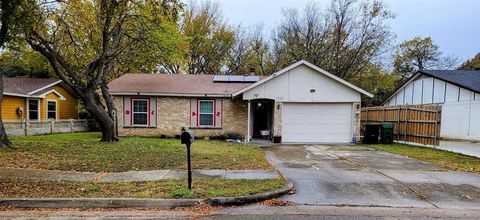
(360, 176)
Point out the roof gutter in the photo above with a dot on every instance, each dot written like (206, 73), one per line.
(171, 94)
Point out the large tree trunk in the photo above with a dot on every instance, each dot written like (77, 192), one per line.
(4, 142)
(95, 107)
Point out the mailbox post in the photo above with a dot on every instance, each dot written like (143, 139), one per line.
(187, 139)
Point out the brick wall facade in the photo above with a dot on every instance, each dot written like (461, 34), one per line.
(173, 113)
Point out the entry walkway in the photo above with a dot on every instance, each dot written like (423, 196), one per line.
(135, 175)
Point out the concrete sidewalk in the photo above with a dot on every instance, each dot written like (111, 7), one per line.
(462, 147)
(135, 175)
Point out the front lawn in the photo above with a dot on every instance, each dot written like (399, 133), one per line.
(162, 189)
(84, 152)
(443, 158)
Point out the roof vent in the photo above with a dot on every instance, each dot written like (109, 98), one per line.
(252, 71)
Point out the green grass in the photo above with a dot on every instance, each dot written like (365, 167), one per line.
(84, 152)
(443, 158)
(162, 189)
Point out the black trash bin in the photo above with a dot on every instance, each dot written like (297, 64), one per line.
(372, 133)
(387, 133)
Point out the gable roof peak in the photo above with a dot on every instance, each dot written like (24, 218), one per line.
(312, 66)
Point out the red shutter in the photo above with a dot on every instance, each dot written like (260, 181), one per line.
(153, 112)
(127, 111)
(218, 106)
(193, 112)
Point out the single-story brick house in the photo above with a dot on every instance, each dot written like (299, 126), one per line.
(301, 103)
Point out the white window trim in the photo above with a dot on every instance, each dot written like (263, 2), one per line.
(133, 113)
(38, 112)
(213, 113)
(56, 108)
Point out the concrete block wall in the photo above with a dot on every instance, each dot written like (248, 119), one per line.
(356, 110)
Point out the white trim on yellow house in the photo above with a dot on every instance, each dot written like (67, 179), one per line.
(41, 96)
(49, 85)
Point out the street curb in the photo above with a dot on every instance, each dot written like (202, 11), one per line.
(98, 203)
(240, 200)
(139, 203)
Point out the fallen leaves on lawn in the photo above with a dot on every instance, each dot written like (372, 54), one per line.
(276, 202)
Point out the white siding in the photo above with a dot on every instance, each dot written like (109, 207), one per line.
(465, 95)
(427, 90)
(417, 91)
(392, 101)
(408, 94)
(296, 85)
(400, 97)
(452, 93)
(463, 126)
(439, 91)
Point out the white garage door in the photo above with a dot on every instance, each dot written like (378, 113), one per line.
(316, 123)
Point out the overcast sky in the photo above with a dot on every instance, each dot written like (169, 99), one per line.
(453, 24)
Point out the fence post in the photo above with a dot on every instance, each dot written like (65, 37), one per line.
(383, 114)
(50, 122)
(25, 126)
(398, 123)
(71, 125)
(366, 115)
(406, 125)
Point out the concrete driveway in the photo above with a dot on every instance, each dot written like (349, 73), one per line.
(361, 176)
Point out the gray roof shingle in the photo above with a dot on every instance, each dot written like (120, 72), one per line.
(24, 86)
(469, 79)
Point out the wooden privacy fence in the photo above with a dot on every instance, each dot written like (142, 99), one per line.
(411, 123)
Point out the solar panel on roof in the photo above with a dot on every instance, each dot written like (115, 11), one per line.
(220, 78)
(236, 78)
(251, 78)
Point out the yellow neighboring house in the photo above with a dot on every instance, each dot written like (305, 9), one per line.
(37, 99)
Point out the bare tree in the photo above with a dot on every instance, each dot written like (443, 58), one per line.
(240, 53)
(418, 54)
(343, 39)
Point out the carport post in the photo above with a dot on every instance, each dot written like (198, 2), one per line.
(248, 122)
